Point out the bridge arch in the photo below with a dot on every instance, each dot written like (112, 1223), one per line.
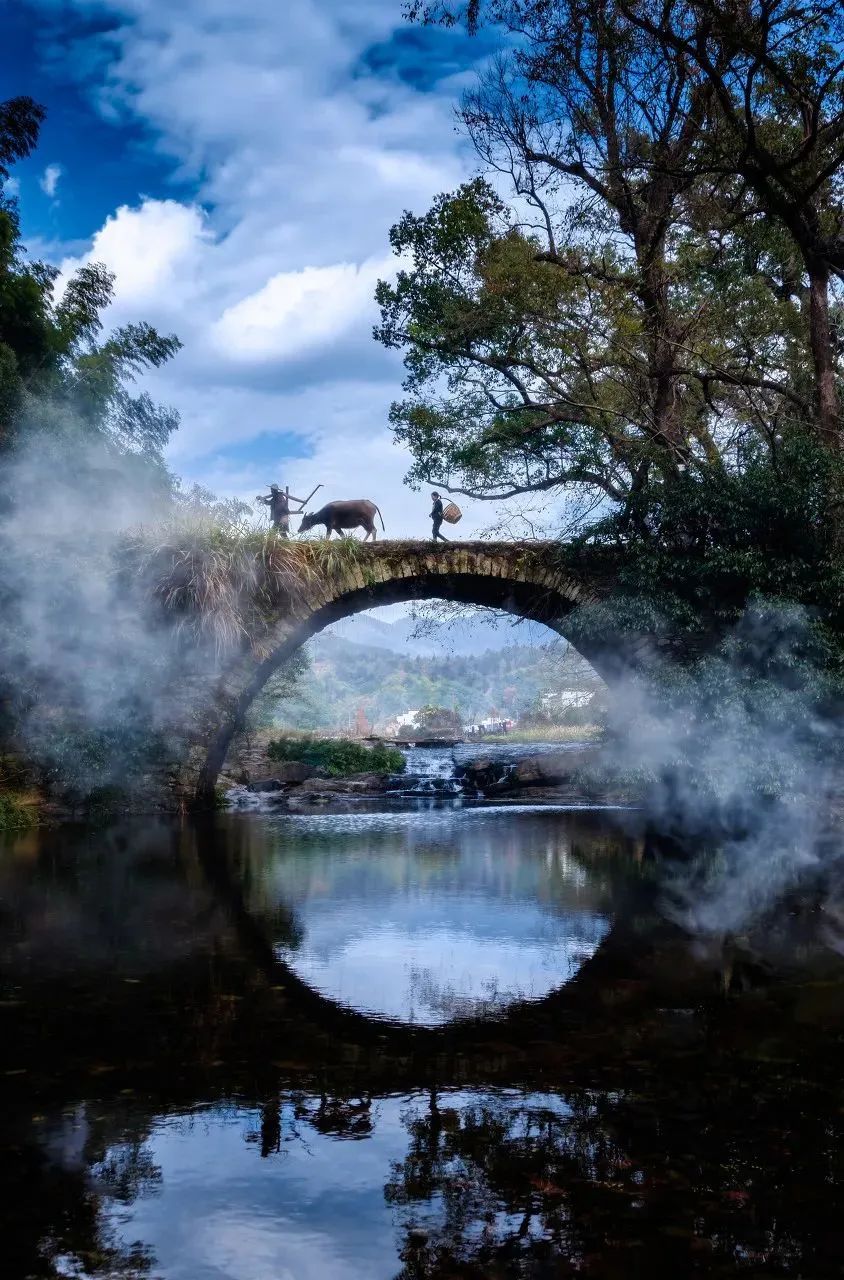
(535, 581)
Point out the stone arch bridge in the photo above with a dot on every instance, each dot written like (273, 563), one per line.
(293, 590)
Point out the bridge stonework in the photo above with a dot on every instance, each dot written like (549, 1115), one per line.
(544, 582)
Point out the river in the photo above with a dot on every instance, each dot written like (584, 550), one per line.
(423, 1039)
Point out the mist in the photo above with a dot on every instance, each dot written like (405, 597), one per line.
(88, 667)
(735, 757)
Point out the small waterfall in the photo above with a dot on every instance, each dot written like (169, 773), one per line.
(429, 771)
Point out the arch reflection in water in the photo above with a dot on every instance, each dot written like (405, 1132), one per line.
(428, 916)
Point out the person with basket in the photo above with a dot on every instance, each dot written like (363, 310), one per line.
(437, 517)
(451, 513)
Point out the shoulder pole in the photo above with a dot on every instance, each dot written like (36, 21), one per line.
(304, 501)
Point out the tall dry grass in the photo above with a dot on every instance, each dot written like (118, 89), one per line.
(223, 584)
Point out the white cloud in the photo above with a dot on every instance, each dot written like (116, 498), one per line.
(11, 187)
(298, 310)
(151, 249)
(49, 180)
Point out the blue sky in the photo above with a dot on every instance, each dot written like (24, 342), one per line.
(238, 164)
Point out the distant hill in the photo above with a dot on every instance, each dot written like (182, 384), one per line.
(345, 676)
(408, 635)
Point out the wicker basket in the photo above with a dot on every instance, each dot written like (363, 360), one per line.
(452, 513)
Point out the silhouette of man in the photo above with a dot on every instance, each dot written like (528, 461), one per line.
(437, 517)
(278, 502)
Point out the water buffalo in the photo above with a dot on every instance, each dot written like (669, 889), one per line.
(355, 513)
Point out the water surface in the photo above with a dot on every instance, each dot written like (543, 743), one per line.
(433, 1042)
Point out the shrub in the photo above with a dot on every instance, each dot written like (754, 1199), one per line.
(339, 758)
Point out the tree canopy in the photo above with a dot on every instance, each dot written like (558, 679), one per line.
(644, 283)
(58, 371)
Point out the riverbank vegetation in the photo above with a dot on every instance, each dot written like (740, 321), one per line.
(337, 757)
(219, 581)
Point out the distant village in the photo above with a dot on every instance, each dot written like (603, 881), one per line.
(553, 703)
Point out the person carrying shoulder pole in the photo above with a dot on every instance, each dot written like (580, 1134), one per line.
(437, 518)
(279, 500)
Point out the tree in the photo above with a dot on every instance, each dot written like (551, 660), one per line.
(72, 426)
(775, 69)
(57, 374)
(438, 720)
(625, 315)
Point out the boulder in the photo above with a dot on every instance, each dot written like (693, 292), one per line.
(354, 784)
(547, 770)
(497, 777)
(290, 771)
(265, 784)
(481, 774)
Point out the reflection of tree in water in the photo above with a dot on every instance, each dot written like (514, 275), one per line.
(483, 1185)
(715, 1149)
(683, 1173)
(444, 1000)
(331, 1115)
(65, 1184)
(337, 1117)
(618, 1184)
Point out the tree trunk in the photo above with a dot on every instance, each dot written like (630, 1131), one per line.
(820, 338)
(666, 426)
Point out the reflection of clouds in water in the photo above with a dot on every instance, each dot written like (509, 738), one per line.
(425, 916)
(314, 1211)
(435, 1000)
(449, 1003)
(240, 1245)
(431, 975)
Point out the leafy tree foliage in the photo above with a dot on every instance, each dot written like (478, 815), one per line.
(438, 720)
(623, 303)
(57, 370)
(775, 71)
(641, 298)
